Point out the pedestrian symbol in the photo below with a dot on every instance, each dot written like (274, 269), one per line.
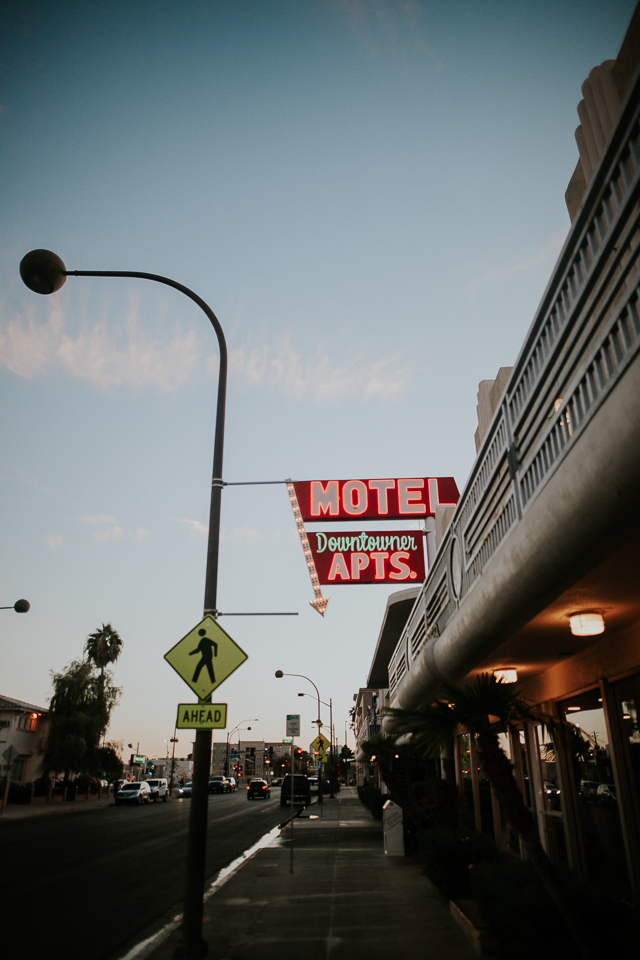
(205, 657)
(320, 744)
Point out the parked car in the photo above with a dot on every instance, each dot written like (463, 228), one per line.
(159, 789)
(589, 789)
(258, 788)
(185, 791)
(137, 792)
(233, 786)
(606, 795)
(301, 790)
(218, 785)
(277, 782)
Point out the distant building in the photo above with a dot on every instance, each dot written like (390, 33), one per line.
(23, 737)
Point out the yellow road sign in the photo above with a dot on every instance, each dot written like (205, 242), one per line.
(201, 716)
(205, 657)
(320, 744)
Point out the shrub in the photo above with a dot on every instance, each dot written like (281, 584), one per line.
(450, 855)
(83, 783)
(372, 798)
(19, 793)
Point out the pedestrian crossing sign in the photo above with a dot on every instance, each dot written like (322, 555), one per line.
(205, 657)
(320, 744)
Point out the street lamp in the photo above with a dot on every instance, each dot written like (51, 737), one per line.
(44, 272)
(331, 738)
(20, 606)
(279, 675)
(230, 734)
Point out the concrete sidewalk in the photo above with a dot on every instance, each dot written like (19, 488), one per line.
(345, 898)
(18, 811)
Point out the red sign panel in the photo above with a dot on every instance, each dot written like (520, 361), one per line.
(404, 499)
(394, 556)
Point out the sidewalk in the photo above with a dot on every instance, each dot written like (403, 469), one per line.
(19, 811)
(345, 900)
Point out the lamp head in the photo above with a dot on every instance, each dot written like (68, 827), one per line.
(279, 674)
(43, 271)
(22, 606)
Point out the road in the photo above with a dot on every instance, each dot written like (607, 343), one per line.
(90, 882)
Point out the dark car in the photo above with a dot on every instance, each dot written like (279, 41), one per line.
(218, 785)
(258, 788)
(301, 790)
(277, 782)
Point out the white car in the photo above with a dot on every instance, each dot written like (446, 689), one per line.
(159, 789)
(185, 791)
(137, 792)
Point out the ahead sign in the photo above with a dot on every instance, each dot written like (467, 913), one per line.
(201, 716)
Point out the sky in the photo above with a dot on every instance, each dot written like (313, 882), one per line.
(370, 196)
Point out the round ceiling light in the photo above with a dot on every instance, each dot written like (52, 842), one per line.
(586, 624)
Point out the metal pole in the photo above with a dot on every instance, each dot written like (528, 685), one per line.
(332, 795)
(292, 810)
(192, 945)
(173, 761)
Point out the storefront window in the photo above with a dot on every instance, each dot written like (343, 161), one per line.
(628, 692)
(590, 763)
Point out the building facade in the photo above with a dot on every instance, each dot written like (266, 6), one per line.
(23, 738)
(537, 570)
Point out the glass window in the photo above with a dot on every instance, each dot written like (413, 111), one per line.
(598, 816)
(628, 692)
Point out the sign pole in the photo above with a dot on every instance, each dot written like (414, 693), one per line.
(292, 810)
(192, 945)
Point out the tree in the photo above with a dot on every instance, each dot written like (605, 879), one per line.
(80, 709)
(484, 709)
(103, 647)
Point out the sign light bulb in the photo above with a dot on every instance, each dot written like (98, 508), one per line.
(586, 624)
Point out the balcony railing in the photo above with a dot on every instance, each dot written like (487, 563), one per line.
(585, 334)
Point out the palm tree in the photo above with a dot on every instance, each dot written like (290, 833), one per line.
(484, 709)
(103, 647)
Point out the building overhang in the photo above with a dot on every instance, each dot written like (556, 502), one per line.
(396, 614)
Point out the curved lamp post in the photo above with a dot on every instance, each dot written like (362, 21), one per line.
(44, 272)
(20, 606)
(331, 738)
(279, 675)
(230, 734)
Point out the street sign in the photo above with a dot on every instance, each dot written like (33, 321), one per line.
(324, 758)
(286, 739)
(205, 657)
(139, 758)
(293, 724)
(320, 744)
(199, 716)
(10, 754)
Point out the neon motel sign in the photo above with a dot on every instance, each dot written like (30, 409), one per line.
(369, 556)
(404, 499)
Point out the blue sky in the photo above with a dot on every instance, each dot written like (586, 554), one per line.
(369, 194)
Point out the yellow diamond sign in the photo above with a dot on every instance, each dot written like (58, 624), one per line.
(205, 657)
(320, 744)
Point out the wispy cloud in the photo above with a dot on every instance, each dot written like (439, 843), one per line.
(503, 272)
(318, 377)
(126, 355)
(108, 535)
(54, 541)
(138, 535)
(241, 535)
(97, 519)
(197, 529)
(105, 355)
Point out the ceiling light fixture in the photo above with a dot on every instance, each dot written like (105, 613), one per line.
(508, 675)
(586, 624)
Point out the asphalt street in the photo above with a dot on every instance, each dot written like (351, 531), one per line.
(92, 881)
